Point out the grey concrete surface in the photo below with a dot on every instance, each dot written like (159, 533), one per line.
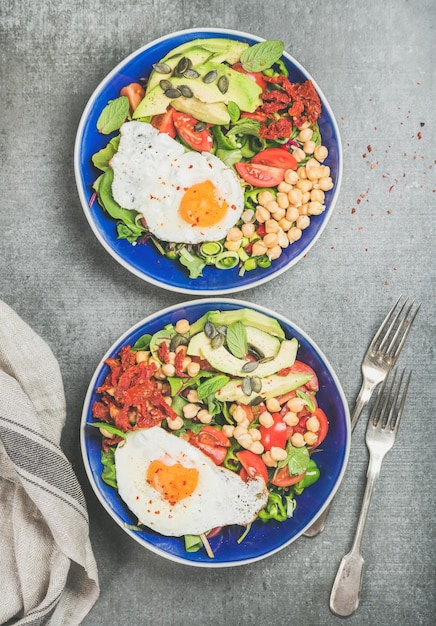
(375, 63)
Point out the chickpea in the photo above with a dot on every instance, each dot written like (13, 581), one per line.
(247, 216)
(186, 361)
(310, 438)
(302, 173)
(239, 414)
(273, 405)
(297, 440)
(262, 214)
(311, 163)
(234, 234)
(142, 356)
(296, 404)
(294, 196)
(313, 424)
(168, 370)
(285, 224)
(246, 441)
(271, 226)
(303, 222)
(294, 234)
(291, 177)
(292, 213)
(233, 246)
(248, 229)
(303, 210)
(190, 410)
(268, 460)
(257, 447)
(182, 326)
(239, 431)
(278, 454)
(192, 396)
(193, 368)
(304, 185)
(313, 173)
(316, 208)
(284, 187)
(204, 416)
(309, 147)
(305, 135)
(325, 183)
(255, 434)
(282, 200)
(258, 249)
(266, 419)
(298, 155)
(325, 171)
(274, 252)
(317, 195)
(228, 430)
(291, 418)
(271, 239)
(264, 197)
(175, 424)
(320, 153)
(283, 239)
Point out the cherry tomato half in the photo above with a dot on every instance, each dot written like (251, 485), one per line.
(134, 92)
(200, 140)
(284, 479)
(257, 77)
(275, 435)
(276, 157)
(164, 122)
(212, 441)
(260, 175)
(323, 426)
(252, 464)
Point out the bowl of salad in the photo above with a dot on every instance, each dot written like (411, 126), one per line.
(215, 432)
(208, 161)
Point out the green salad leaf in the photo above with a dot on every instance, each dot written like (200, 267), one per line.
(237, 340)
(143, 343)
(101, 158)
(109, 475)
(211, 385)
(193, 262)
(262, 55)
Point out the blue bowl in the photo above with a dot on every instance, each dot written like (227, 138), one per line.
(144, 260)
(263, 539)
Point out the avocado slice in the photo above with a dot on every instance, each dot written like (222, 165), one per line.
(272, 386)
(195, 54)
(223, 361)
(220, 48)
(249, 317)
(261, 342)
(211, 113)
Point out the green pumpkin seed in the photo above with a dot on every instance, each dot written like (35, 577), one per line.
(185, 91)
(199, 126)
(246, 386)
(223, 84)
(250, 366)
(256, 384)
(161, 68)
(258, 354)
(217, 341)
(267, 359)
(257, 400)
(210, 76)
(183, 65)
(173, 93)
(209, 330)
(177, 340)
(190, 73)
(165, 84)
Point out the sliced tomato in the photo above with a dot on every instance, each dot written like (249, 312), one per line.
(257, 77)
(252, 464)
(212, 441)
(300, 367)
(284, 479)
(164, 122)
(323, 426)
(276, 157)
(260, 175)
(257, 116)
(275, 435)
(200, 140)
(134, 92)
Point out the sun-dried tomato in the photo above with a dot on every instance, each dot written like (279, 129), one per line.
(164, 353)
(100, 411)
(178, 364)
(281, 129)
(107, 442)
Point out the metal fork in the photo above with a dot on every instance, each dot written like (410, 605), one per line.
(380, 437)
(379, 359)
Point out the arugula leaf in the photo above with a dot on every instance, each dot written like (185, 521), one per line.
(237, 340)
(143, 343)
(109, 475)
(211, 385)
(114, 114)
(262, 55)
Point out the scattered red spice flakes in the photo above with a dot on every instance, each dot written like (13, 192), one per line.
(358, 201)
(353, 211)
(360, 228)
(419, 135)
(369, 148)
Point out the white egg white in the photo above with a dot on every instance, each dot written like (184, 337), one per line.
(220, 498)
(152, 172)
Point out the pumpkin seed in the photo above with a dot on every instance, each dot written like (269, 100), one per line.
(257, 400)
(173, 93)
(183, 65)
(165, 84)
(177, 340)
(190, 73)
(249, 366)
(223, 84)
(161, 68)
(267, 359)
(258, 354)
(210, 330)
(256, 384)
(246, 386)
(210, 76)
(199, 126)
(185, 91)
(217, 341)
(222, 329)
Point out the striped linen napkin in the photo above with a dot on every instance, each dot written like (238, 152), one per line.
(48, 572)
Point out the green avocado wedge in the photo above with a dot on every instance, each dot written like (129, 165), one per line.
(272, 386)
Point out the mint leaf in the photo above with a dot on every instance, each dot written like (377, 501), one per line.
(262, 55)
(236, 338)
(113, 115)
(234, 111)
(211, 385)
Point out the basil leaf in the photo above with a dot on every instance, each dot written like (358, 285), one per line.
(114, 114)
(234, 111)
(262, 55)
(143, 343)
(298, 460)
(211, 386)
(237, 340)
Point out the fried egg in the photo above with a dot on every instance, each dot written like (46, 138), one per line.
(175, 489)
(185, 197)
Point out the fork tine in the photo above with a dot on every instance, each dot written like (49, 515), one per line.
(402, 403)
(406, 332)
(377, 417)
(385, 321)
(394, 402)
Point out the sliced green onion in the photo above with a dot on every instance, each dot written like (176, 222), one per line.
(227, 260)
(210, 248)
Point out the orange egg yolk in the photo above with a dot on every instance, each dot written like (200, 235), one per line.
(174, 482)
(202, 205)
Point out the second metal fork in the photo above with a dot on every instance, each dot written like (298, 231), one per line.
(380, 437)
(379, 359)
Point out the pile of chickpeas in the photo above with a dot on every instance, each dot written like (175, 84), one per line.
(285, 215)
